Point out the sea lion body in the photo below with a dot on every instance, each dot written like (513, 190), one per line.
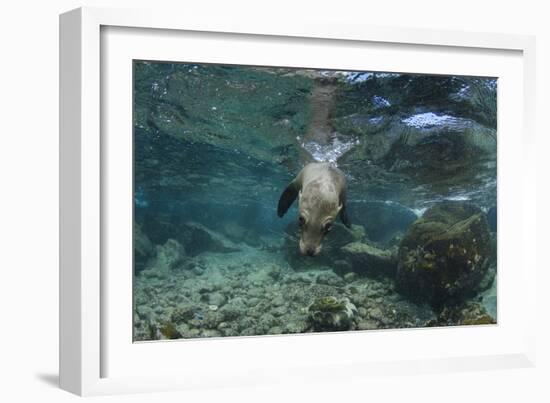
(321, 192)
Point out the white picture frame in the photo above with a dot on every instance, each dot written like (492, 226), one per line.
(88, 349)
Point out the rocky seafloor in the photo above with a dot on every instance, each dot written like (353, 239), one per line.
(218, 287)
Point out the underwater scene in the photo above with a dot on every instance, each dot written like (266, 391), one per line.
(272, 200)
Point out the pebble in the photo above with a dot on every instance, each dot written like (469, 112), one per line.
(275, 272)
(376, 313)
(217, 299)
(296, 327)
(183, 328)
(249, 332)
(367, 325)
(210, 333)
(279, 311)
(349, 277)
(255, 292)
(230, 331)
(193, 333)
(198, 270)
(252, 301)
(275, 330)
(278, 301)
(230, 312)
(182, 313)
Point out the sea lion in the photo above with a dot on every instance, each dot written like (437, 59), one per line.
(321, 191)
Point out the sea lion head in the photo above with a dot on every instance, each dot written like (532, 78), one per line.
(318, 208)
(321, 193)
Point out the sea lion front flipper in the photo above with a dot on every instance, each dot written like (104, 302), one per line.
(287, 198)
(344, 217)
(343, 212)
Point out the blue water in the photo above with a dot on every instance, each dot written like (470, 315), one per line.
(214, 147)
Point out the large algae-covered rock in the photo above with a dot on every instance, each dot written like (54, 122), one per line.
(332, 314)
(369, 259)
(445, 254)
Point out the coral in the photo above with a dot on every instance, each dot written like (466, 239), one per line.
(332, 314)
(445, 254)
(169, 331)
(467, 313)
(485, 319)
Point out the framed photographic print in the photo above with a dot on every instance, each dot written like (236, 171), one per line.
(238, 200)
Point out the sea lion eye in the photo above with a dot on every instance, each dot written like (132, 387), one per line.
(301, 220)
(327, 227)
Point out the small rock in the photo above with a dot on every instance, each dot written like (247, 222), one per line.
(210, 333)
(230, 332)
(182, 313)
(194, 333)
(275, 272)
(278, 301)
(198, 270)
(183, 329)
(366, 325)
(231, 311)
(275, 330)
(376, 313)
(252, 301)
(350, 277)
(279, 311)
(296, 326)
(267, 321)
(249, 332)
(329, 278)
(217, 299)
(342, 266)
